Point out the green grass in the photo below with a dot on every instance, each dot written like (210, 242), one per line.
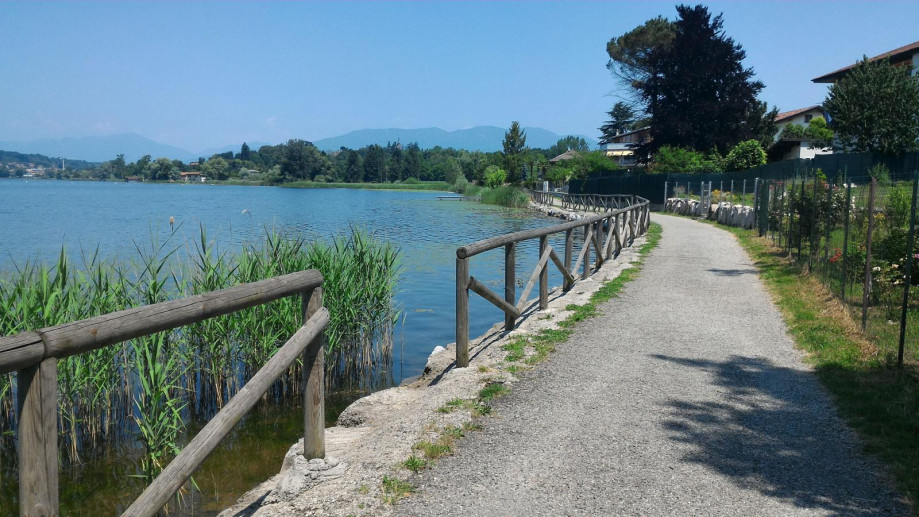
(395, 489)
(879, 400)
(509, 196)
(415, 464)
(493, 390)
(543, 342)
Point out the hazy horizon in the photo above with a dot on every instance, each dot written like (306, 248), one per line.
(206, 75)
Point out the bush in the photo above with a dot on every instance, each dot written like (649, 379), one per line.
(411, 181)
(494, 177)
(745, 155)
(504, 196)
(460, 185)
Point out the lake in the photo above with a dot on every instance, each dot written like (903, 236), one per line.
(37, 218)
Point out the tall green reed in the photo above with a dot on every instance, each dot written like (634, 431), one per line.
(148, 389)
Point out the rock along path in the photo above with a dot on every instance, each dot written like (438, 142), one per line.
(686, 397)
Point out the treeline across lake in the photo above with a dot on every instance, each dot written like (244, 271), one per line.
(300, 160)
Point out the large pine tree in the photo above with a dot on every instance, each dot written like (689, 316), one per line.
(699, 94)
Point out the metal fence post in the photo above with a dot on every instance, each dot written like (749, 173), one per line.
(845, 243)
(866, 288)
(909, 263)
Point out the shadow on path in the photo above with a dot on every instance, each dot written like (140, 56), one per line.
(769, 432)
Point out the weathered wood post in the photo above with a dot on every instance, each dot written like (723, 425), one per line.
(665, 196)
(543, 276)
(586, 272)
(866, 287)
(462, 312)
(37, 433)
(314, 379)
(510, 281)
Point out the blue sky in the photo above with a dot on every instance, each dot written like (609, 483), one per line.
(199, 75)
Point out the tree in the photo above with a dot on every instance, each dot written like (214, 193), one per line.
(162, 169)
(875, 108)
(354, 167)
(515, 142)
(817, 134)
(568, 143)
(698, 93)
(621, 118)
(375, 164)
(245, 153)
(632, 55)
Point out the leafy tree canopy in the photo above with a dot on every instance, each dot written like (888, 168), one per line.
(875, 108)
(632, 55)
(572, 143)
(690, 78)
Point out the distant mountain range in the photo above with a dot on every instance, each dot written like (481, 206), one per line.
(134, 146)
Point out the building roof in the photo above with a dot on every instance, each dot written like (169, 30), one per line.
(567, 155)
(190, 173)
(791, 114)
(896, 56)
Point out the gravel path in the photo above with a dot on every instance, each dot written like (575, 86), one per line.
(686, 398)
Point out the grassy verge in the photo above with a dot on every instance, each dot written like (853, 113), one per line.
(879, 400)
(523, 352)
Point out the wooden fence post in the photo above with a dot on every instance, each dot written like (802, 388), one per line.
(314, 380)
(543, 276)
(510, 282)
(37, 433)
(569, 244)
(462, 312)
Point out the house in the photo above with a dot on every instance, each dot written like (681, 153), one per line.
(622, 147)
(786, 148)
(565, 156)
(905, 55)
(192, 177)
(134, 179)
(35, 172)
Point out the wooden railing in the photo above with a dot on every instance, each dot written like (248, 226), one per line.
(34, 356)
(584, 201)
(619, 226)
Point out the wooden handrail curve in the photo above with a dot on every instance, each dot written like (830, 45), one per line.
(624, 224)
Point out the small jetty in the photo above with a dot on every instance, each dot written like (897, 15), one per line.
(451, 198)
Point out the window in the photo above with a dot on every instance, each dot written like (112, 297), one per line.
(807, 118)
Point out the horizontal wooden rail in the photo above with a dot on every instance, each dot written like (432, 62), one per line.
(181, 468)
(624, 223)
(29, 348)
(491, 243)
(34, 356)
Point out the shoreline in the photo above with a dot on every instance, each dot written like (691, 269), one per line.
(376, 434)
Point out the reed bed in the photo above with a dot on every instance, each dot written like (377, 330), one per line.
(147, 390)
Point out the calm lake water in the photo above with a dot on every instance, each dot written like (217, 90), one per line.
(37, 218)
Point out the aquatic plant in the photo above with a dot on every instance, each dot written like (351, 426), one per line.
(147, 390)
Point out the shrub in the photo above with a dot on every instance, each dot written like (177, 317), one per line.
(745, 155)
(461, 185)
(494, 177)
